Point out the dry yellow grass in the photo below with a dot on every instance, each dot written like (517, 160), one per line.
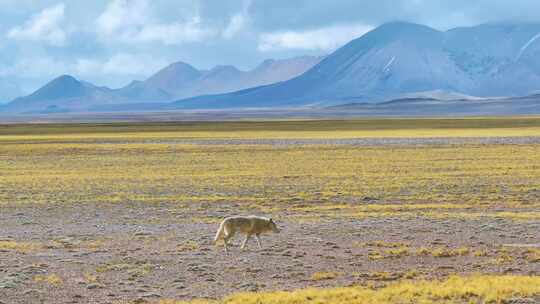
(446, 252)
(533, 255)
(475, 289)
(24, 247)
(90, 278)
(51, 279)
(92, 163)
(397, 252)
(325, 275)
(188, 246)
(449, 180)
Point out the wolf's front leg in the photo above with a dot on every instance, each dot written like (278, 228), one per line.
(226, 240)
(225, 245)
(245, 241)
(257, 236)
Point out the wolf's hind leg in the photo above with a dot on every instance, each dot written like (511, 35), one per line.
(245, 241)
(257, 236)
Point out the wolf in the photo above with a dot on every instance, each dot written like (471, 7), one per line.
(248, 225)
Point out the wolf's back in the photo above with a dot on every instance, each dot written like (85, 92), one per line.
(258, 225)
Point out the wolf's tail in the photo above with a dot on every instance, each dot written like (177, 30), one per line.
(220, 233)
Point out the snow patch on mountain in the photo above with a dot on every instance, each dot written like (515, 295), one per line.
(527, 45)
(387, 66)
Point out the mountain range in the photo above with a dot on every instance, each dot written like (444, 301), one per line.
(399, 58)
(396, 60)
(178, 80)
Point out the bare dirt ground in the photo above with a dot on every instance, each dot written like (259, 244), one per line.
(354, 142)
(126, 252)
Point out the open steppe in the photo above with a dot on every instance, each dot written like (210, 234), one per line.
(390, 210)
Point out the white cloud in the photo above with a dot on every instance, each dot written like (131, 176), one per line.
(120, 15)
(121, 64)
(174, 33)
(34, 67)
(118, 65)
(132, 22)
(326, 39)
(129, 64)
(237, 22)
(44, 26)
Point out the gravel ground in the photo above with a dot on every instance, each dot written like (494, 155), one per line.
(134, 252)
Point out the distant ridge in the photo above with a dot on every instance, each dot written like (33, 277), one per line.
(181, 80)
(178, 80)
(525, 105)
(65, 92)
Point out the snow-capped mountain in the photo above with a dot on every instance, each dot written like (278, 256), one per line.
(399, 58)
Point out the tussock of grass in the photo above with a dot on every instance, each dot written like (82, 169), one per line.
(90, 278)
(533, 255)
(320, 276)
(446, 252)
(480, 253)
(135, 269)
(376, 255)
(386, 244)
(23, 247)
(475, 289)
(51, 279)
(397, 252)
(188, 246)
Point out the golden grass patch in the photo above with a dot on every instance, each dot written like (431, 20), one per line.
(134, 269)
(447, 252)
(325, 275)
(90, 278)
(474, 289)
(397, 252)
(142, 163)
(533, 255)
(23, 247)
(447, 181)
(51, 279)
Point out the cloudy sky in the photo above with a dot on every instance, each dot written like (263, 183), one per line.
(110, 42)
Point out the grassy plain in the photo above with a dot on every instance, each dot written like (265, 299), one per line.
(194, 173)
(342, 179)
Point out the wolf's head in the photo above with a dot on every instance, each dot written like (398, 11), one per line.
(272, 225)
